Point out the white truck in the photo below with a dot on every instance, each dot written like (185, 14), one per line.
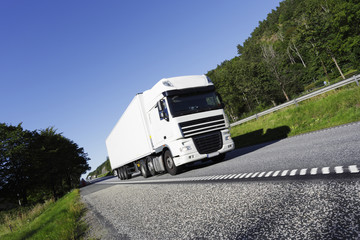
(178, 121)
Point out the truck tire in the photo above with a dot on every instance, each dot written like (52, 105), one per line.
(144, 170)
(125, 173)
(150, 166)
(121, 174)
(118, 173)
(169, 163)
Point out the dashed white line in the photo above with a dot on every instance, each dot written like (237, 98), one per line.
(243, 175)
(284, 173)
(353, 169)
(248, 175)
(313, 171)
(238, 175)
(293, 172)
(325, 170)
(232, 176)
(276, 174)
(303, 171)
(339, 169)
(255, 174)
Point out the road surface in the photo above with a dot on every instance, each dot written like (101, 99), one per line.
(304, 187)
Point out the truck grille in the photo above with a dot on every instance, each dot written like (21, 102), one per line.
(208, 143)
(203, 125)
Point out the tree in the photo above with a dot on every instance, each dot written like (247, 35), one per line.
(299, 43)
(34, 164)
(15, 162)
(60, 161)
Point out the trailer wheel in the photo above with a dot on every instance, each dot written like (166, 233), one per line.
(169, 163)
(144, 170)
(150, 166)
(121, 174)
(118, 173)
(125, 173)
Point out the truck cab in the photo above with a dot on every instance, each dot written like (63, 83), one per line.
(186, 122)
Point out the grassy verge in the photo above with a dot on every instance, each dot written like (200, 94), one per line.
(327, 110)
(52, 220)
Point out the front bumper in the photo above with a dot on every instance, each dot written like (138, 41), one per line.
(188, 153)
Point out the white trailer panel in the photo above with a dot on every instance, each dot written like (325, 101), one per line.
(130, 138)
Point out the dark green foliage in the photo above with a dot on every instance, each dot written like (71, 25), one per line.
(37, 165)
(300, 45)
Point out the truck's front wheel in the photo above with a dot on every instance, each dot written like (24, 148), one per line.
(169, 163)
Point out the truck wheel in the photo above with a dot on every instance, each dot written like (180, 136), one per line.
(150, 166)
(169, 163)
(118, 173)
(144, 170)
(121, 174)
(125, 173)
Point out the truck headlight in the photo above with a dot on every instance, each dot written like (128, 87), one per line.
(185, 148)
(227, 138)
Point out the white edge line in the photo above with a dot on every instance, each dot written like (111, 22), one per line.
(284, 173)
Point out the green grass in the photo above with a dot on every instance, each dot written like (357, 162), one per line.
(52, 220)
(327, 110)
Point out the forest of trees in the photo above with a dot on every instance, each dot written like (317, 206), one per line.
(37, 165)
(299, 46)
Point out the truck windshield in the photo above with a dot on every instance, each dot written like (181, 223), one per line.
(193, 103)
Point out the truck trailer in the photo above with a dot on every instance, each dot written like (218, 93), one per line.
(178, 121)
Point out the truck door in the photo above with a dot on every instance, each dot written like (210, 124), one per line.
(160, 125)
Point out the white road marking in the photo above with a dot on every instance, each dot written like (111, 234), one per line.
(325, 170)
(243, 175)
(303, 171)
(339, 169)
(232, 176)
(353, 169)
(237, 176)
(293, 172)
(284, 173)
(248, 175)
(313, 171)
(276, 173)
(255, 174)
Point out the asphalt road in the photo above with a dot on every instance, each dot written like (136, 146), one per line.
(229, 200)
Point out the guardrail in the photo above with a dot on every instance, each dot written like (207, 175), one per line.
(355, 78)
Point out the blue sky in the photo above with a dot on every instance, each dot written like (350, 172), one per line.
(76, 65)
